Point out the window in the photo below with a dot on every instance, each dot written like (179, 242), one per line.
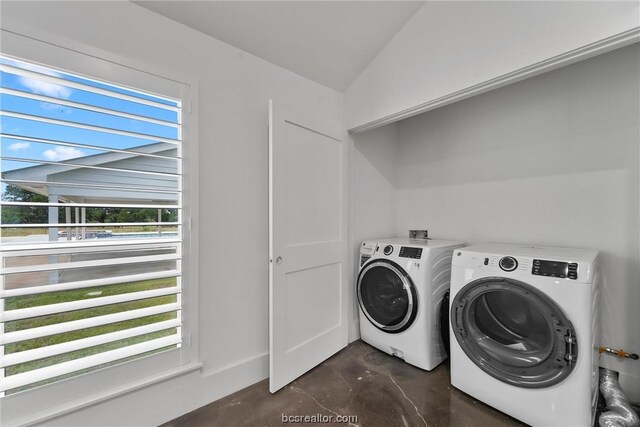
(91, 214)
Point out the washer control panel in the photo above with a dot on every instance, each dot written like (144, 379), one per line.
(407, 252)
(559, 269)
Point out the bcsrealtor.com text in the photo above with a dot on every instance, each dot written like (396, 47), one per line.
(320, 418)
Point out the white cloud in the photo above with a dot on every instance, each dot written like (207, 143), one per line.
(40, 87)
(49, 106)
(62, 153)
(46, 88)
(19, 146)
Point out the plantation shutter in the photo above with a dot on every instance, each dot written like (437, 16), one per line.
(91, 224)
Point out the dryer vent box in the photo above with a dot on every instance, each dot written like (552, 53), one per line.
(419, 234)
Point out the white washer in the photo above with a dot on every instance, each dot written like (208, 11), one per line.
(524, 324)
(400, 288)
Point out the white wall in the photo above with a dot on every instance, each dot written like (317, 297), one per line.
(373, 197)
(553, 160)
(234, 88)
(450, 46)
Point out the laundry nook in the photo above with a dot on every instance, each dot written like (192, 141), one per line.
(363, 213)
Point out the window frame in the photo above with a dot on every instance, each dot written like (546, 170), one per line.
(79, 391)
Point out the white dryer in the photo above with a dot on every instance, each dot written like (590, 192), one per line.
(400, 287)
(524, 324)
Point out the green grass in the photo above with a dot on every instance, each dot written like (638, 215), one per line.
(21, 232)
(82, 294)
(27, 301)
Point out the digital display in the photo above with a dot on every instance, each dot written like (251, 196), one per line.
(555, 269)
(406, 252)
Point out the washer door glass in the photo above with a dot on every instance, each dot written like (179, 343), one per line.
(514, 332)
(387, 296)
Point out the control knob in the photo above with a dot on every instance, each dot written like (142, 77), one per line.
(508, 263)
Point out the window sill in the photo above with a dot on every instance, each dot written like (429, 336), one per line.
(107, 395)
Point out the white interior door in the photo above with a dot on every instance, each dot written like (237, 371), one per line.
(308, 243)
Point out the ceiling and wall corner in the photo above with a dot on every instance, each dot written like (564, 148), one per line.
(449, 47)
(329, 42)
(397, 59)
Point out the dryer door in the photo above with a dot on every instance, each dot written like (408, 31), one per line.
(514, 332)
(387, 296)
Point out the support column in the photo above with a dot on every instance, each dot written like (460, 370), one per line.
(77, 229)
(83, 219)
(67, 219)
(53, 236)
(53, 218)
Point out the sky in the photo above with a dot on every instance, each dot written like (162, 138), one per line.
(31, 150)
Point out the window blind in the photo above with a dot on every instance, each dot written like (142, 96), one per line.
(90, 224)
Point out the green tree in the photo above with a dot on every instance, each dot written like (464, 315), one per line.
(23, 214)
(39, 214)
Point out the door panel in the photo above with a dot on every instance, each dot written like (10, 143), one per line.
(313, 193)
(320, 288)
(308, 245)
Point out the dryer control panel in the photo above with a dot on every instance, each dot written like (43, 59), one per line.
(559, 269)
(546, 264)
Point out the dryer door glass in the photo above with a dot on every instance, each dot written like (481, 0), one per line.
(514, 332)
(387, 296)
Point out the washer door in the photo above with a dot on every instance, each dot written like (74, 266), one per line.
(387, 296)
(514, 332)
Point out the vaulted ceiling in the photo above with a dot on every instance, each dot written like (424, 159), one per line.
(329, 42)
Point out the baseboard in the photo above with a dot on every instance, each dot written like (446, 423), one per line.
(225, 381)
(219, 383)
(96, 399)
(164, 401)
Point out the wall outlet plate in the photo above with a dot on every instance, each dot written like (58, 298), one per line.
(419, 234)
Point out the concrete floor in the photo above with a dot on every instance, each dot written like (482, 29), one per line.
(378, 389)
